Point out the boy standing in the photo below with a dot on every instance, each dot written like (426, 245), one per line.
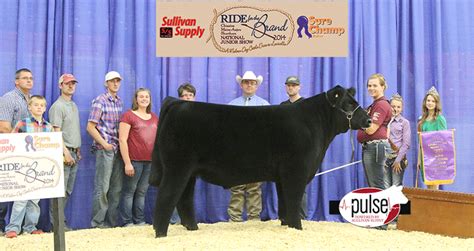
(28, 209)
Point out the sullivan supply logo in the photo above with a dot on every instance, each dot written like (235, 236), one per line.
(178, 26)
(313, 27)
(372, 207)
(244, 29)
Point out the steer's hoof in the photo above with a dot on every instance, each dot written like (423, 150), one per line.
(284, 223)
(159, 235)
(191, 227)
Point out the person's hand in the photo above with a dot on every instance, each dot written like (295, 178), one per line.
(129, 170)
(68, 159)
(397, 167)
(108, 147)
(78, 154)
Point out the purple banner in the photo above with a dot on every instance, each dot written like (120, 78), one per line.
(439, 157)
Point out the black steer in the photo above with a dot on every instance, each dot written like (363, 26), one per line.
(232, 145)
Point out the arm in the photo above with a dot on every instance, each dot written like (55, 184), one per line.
(68, 159)
(442, 123)
(372, 129)
(406, 141)
(5, 127)
(92, 130)
(94, 118)
(124, 130)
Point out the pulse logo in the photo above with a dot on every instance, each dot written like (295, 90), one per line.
(372, 207)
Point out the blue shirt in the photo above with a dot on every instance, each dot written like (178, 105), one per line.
(14, 107)
(252, 101)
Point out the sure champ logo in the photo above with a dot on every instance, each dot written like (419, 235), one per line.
(372, 207)
(244, 29)
(313, 27)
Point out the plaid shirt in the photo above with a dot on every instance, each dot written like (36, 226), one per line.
(14, 106)
(30, 125)
(105, 112)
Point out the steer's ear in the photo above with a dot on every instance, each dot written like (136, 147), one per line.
(335, 95)
(351, 91)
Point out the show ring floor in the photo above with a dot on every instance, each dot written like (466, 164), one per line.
(252, 235)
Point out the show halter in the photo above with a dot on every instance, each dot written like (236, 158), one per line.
(349, 118)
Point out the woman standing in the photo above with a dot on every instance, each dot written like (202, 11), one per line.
(399, 138)
(374, 139)
(137, 133)
(431, 120)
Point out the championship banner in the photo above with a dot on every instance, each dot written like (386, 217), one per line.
(31, 166)
(247, 28)
(439, 157)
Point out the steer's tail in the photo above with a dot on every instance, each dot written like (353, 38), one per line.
(156, 162)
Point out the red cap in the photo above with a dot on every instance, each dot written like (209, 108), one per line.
(66, 77)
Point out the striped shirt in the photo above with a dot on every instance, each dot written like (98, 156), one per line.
(105, 112)
(30, 125)
(14, 107)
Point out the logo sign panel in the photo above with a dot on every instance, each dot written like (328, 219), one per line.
(247, 29)
(31, 166)
(372, 207)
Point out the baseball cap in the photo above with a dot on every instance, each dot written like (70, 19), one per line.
(111, 75)
(292, 80)
(67, 77)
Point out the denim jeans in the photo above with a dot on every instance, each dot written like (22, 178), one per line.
(24, 209)
(391, 177)
(107, 187)
(69, 180)
(374, 156)
(175, 219)
(3, 214)
(133, 193)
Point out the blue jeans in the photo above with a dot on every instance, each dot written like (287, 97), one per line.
(3, 214)
(374, 156)
(107, 187)
(391, 177)
(133, 193)
(69, 181)
(24, 209)
(175, 219)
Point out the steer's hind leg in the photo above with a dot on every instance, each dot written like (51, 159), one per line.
(293, 188)
(186, 206)
(281, 204)
(169, 192)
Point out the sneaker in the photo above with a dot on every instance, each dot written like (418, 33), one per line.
(129, 225)
(141, 224)
(37, 231)
(11, 234)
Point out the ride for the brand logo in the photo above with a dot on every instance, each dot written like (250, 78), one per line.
(184, 27)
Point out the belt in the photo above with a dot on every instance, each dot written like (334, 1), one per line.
(376, 141)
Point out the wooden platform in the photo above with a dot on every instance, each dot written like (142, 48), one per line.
(439, 212)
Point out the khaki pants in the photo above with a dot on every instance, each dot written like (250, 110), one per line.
(253, 202)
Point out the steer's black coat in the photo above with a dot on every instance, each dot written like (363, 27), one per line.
(231, 145)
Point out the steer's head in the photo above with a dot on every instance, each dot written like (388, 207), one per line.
(349, 114)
